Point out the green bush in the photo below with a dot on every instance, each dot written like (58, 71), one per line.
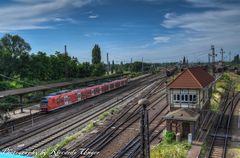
(4, 85)
(168, 136)
(173, 150)
(7, 104)
(225, 77)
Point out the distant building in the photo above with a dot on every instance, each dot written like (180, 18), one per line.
(191, 89)
(188, 94)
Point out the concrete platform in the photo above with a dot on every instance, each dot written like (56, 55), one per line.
(26, 111)
(194, 151)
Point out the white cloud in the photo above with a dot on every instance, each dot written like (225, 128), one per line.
(218, 26)
(161, 39)
(64, 20)
(93, 16)
(31, 14)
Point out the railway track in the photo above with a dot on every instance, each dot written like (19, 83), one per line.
(116, 128)
(220, 136)
(39, 117)
(209, 118)
(27, 121)
(61, 131)
(133, 148)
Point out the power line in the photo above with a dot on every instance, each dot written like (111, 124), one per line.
(10, 78)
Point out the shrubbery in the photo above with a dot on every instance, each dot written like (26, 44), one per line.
(168, 136)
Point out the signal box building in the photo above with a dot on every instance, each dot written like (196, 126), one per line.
(188, 94)
(191, 89)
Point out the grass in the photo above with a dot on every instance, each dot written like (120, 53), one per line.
(236, 79)
(170, 150)
(89, 127)
(221, 86)
(203, 150)
(234, 152)
(134, 74)
(53, 149)
(104, 115)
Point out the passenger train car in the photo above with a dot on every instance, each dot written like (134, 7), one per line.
(64, 98)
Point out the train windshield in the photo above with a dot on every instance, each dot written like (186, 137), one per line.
(44, 100)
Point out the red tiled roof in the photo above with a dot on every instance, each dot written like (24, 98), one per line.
(192, 78)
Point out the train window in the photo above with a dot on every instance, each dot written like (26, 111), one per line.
(83, 95)
(96, 90)
(112, 85)
(66, 100)
(79, 96)
(44, 100)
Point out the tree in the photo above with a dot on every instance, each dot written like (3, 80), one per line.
(236, 59)
(40, 71)
(15, 45)
(184, 60)
(112, 67)
(136, 66)
(18, 50)
(96, 55)
(6, 67)
(98, 69)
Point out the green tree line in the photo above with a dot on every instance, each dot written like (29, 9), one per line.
(17, 62)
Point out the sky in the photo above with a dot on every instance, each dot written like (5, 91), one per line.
(155, 30)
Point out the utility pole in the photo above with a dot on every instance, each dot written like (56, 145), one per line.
(209, 58)
(130, 67)
(65, 54)
(230, 56)
(145, 144)
(142, 65)
(108, 65)
(222, 52)
(213, 55)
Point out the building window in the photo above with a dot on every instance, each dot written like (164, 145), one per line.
(190, 98)
(184, 98)
(194, 98)
(178, 97)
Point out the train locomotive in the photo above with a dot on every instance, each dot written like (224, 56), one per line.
(64, 98)
(170, 72)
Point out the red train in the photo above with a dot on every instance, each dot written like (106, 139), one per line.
(64, 98)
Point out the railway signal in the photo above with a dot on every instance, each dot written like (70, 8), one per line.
(213, 55)
(222, 52)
